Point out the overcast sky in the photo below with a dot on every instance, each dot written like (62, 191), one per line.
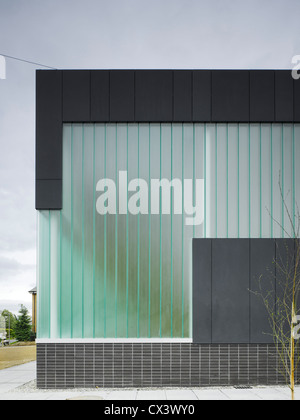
(114, 34)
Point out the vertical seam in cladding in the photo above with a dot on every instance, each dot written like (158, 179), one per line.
(282, 181)
(105, 242)
(227, 178)
(272, 222)
(216, 180)
(82, 233)
(127, 242)
(274, 100)
(171, 232)
(60, 268)
(39, 215)
(149, 244)
(90, 95)
(211, 291)
(160, 237)
(109, 101)
(249, 174)
(71, 297)
(249, 284)
(194, 182)
(249, 97)
(192, 96)
(134, 96)
(116, 239)
(94, 228)
(204, 180)
(260, 183)
(211, 95)
(138, 245)
(294, 100)
(182, 238)
(49, 273)
(238, 179)
(294, 198)
(173, 102)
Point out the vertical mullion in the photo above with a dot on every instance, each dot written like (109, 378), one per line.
(260, 185)
(49, 273)
(194, 177)
(82, 231)
(160, 237)
(294, 198)
(127, 246)
(204, 180)
(149, 246)
(216, 179)
(249, 173)
(272, 224)
(238, 180)
(94, 229)
(182, 238)
(138, 246)
(116, 240)
(60, 269)
(282, 181)
(171, 232)
(72, 234)
(227, 177)
(105, 241)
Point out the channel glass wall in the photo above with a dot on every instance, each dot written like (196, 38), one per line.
(129, 276)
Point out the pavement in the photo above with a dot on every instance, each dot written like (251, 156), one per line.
(18, 383)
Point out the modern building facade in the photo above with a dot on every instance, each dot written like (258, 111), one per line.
(162, 197)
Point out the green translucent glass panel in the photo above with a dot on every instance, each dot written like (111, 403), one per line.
(130, 276)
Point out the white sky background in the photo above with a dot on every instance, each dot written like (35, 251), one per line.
(112, 34)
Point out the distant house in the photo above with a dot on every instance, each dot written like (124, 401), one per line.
(33, 293)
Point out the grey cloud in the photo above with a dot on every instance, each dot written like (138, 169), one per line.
(10, 267)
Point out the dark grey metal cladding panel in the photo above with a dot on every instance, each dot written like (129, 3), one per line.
(122, 96)
(284, 96)
(285, 254)
(297, 100)
(230, 291)
(100, 95)
(76, 96)
(48, 194)
(154, 96)
(202, 96)
(182, 96)
(230, 96)
(285, 262)
(202, 290)
(285, 258)
(48, 124)
(262, 281)
(262, 95)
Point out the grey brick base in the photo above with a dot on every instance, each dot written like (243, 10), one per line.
(155, 365)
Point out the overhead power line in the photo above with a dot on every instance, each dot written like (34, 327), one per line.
(27, 61)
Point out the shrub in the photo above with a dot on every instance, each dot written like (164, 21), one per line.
(23, 325)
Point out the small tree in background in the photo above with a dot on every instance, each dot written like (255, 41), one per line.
(23, 325)
(283, 311)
